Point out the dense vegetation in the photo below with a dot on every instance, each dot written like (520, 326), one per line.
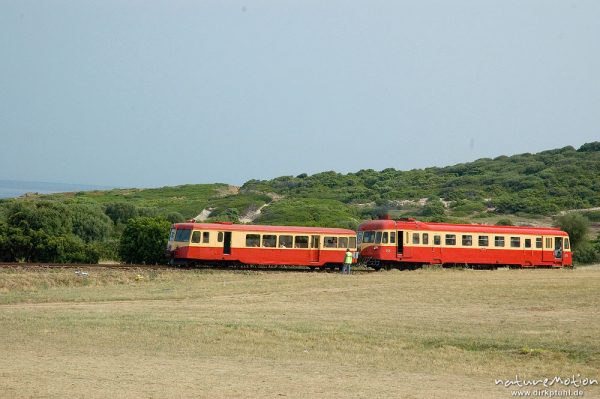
(536, 184)
(86, 226)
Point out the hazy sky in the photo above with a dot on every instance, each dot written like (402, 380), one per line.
(152, 93)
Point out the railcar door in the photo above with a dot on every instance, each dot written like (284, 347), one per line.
(227, 243)
(314, 248)
(529, 256)
(400, 240)
(436, 250)
(558, 249)
(547, 255)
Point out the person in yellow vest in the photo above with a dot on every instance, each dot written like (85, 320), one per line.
(347, 262)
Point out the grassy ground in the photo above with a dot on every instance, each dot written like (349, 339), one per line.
(221, 334)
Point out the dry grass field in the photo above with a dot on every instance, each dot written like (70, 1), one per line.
(239, 334)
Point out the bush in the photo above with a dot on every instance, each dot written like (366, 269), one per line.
(144, 240)
(593, 216)
(586, 254)
(590, 147)
(68, 249)
(575, 225)
(175, 217)
(22, 244)
(90, 223)
(308, 212)
(120, 212)
(434, 209)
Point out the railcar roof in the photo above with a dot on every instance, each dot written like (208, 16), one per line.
(261, 228)
(473, 228)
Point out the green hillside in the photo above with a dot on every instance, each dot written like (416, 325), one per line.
(526, 185)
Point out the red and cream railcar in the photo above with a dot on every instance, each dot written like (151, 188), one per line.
(410, 243)
(227, 243)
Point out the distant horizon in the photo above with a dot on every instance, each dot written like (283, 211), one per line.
(10, 188)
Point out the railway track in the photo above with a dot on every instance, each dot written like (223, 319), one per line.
(34, 266)
(129, 267)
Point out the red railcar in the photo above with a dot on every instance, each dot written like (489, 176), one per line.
(410, 243)
(226, 243)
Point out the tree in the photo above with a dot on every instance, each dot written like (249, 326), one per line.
(121, 212)
(434, 208)
(90, 223)
(52, 217)
(174, 217)
(144, 240)
(590, 147)
(576, 225)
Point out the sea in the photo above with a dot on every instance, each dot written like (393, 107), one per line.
(16, 188)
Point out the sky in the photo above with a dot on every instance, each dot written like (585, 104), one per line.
(127, 93)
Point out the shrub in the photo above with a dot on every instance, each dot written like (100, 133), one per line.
(576, 225)
(434, 209)
(586, 254)
(144, 240)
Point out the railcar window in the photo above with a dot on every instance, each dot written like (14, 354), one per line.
(343, 242)
(369, 237)
(205, 237)
(352, 242)
(483, 241)
(425, 238)
(548, 242)
(220, 236)
(183, 235)
(515, 242)
(172, 234)
(437, 240)
(360, 237)
(196, 237)
(285, 241)
(378, 237)
(467, 240)
(566, 243)
(538, 242)
(528, 243)
(301, 242)
(498, 241)
(253, 240)
(393, 237)
(384, 238)
(330, 242)
(415, 238)
(269, 241)
(450, 239)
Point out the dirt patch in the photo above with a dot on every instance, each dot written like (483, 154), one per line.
(227, 191)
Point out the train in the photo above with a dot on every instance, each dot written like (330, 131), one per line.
(409, 243)
(403, 244)
(225, 243)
